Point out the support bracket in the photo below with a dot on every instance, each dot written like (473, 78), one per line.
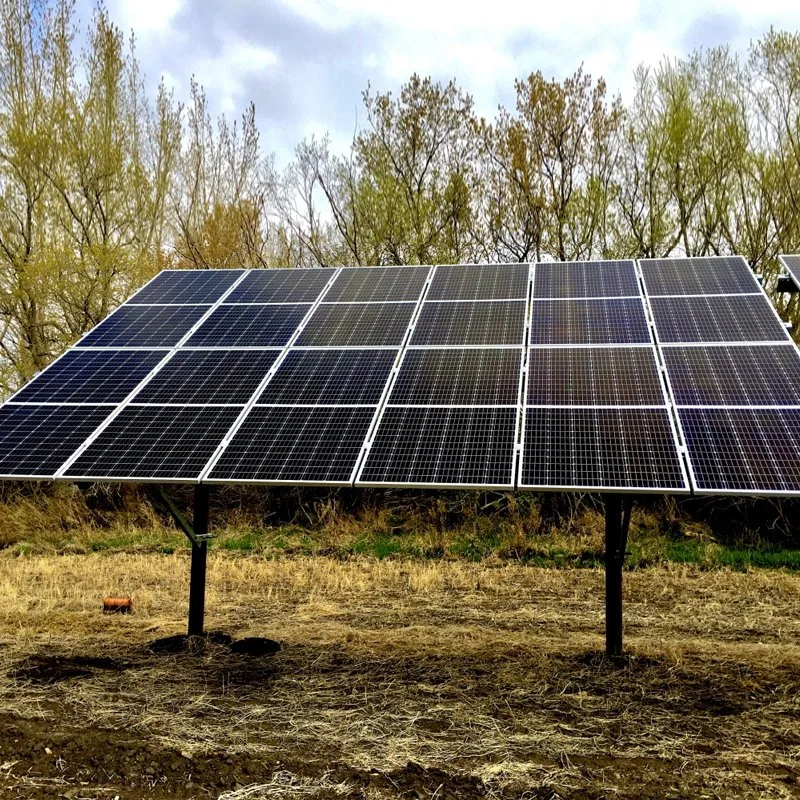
(181, 521)
(198, 535)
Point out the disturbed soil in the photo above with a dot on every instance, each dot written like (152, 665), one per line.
(394, 679)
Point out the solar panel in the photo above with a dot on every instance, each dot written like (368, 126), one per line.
(162, 442)
(281, 286)
(594, 376)
(688, 276)
(480, 282)
(604, 321)
(792, 265)
(357, 325)
(295, 445)
(412, 376)
(36, 440)
(249, 326)
(186, 287)
(442, 447)
(731, 376)
(377, 284)
(144, 326)
(458, 377)
(470, 323)
(208, 377)
(748, 451)
(600, 448)
(734, 318)
(351, 377)
(577, 279)
(91, 376)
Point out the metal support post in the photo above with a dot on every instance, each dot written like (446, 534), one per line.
(197, 585)
(618, 517)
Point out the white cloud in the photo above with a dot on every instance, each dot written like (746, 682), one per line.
(305, 62)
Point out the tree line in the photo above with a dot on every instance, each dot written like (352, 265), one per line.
(103, 184)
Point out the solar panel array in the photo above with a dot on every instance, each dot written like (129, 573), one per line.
(662, 375)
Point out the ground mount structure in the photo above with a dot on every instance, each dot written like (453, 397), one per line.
(671, 376)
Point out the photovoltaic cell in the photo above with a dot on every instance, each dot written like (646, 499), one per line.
(480, 282)
(155, 442)
(357, 325)
(36, 440)
(586, 279)
(377, 284)
(594, 376)
(353, 377)
(91, 376)
(249, 326)
(298, 445)
(738, 376)
(495, 322)
(458, 377)
(281, 286)
(740, 318)
(443, 446)
(744, 450)
(792, 264)
(608, 321)
(600, 448)
(208, 377)
(187, 286)
(144, 326)
(715, 275)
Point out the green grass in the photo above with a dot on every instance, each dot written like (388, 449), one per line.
(382, 537)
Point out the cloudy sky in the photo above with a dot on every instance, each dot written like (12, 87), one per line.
(305, 63)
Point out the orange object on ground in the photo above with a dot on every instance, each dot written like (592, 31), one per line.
(117, 605)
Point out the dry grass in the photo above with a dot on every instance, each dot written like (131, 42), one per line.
(398, 678)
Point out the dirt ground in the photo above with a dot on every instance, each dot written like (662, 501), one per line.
(395, 679)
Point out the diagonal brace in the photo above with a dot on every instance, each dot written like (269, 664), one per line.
(195, 537)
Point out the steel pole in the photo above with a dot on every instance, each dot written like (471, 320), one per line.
(197, 581)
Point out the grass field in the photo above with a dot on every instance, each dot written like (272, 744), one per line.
(406, 678)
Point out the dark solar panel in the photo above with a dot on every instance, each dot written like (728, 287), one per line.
(458, 377)
(480, 282)
(495, 322)
(155, 442)
(600, 448)
(330, 377)
(208, 377)
(187, 286)
(357, 325)
(35, 441)
(91, 376)
(734, 376)
(299, 445)
(378, 284)
(443, 446)
(594, 376)
(249, 326)
(792, 264)
(586, 279)
(144, 326)
(740, 318)
(281, 286)
(725, 275)
(743, 450)
(610, 321)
